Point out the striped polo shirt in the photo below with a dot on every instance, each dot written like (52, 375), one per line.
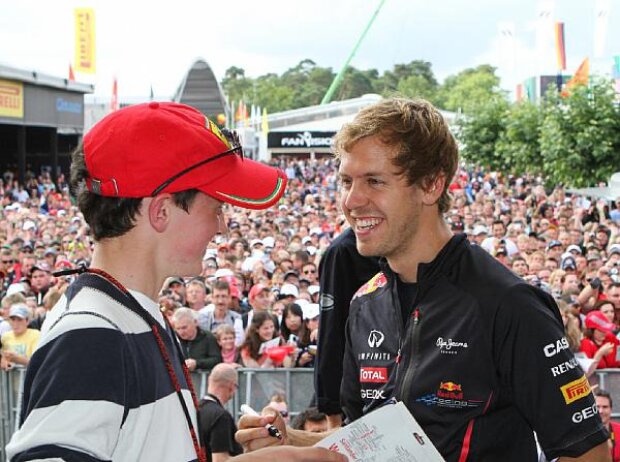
(97, 388)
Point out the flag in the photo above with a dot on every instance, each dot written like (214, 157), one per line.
(560, 47)
(114, 100)
(601, 18)
(581, 77)
(84, 40)
(264, 122)
(71, 74)
(519, 92)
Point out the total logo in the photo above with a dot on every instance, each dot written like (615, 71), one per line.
(373, 375)
(375, 339)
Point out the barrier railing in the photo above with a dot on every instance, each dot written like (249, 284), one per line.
(256, 387)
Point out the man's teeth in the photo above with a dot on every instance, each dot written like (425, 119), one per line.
(368, 223)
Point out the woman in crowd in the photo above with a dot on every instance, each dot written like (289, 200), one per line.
(261, 330)
(599, 337)
(295, 332)
(225, 335)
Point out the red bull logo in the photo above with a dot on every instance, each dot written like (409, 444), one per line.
(450, 390)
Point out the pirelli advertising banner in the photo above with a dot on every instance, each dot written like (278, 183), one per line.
(11, 99)
(85, 40)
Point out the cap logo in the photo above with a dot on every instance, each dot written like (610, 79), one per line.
(216, 131)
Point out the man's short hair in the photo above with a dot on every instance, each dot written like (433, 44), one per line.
(221, 285)
(425, 147)
(183, 313)
(604, 394)
(110, 216)
(311, 414)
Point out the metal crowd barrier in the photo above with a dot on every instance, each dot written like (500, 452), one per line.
(256, 387)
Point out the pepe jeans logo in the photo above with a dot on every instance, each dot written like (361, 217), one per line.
(449, 346)
(375, 339)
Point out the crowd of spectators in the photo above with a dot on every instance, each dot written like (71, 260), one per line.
(256, 302)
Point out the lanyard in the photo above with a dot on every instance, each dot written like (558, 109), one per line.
(135, 306)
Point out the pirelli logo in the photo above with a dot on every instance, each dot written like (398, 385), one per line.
(576, 389)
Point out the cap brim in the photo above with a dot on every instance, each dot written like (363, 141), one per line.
(249, 184)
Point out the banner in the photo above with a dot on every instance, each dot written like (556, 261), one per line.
(114, 100)
(85, 40)
(601, 19)
(11, 99)
(560, 46)
(581, 77)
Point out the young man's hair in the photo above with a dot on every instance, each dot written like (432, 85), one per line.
(221, 285)
(425, 148)
(110, 216)
(604, 394)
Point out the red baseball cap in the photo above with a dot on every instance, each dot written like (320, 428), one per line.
(257, 289)
(597, 320)
(142, 150)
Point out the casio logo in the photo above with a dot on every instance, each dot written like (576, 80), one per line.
(375, 339)
(554, 348)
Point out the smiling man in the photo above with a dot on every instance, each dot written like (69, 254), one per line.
(464, 341)
(468, 346)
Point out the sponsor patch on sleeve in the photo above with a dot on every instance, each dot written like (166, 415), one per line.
(576, 389)
(377, 281)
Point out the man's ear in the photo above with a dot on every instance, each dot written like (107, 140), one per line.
(159, 210)
(433, 189)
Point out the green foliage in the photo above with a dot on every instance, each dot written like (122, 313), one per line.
(580, 135)
(469, 89)
(573, 139)
(480, 131)
(305, 84)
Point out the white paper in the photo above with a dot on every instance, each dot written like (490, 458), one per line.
(269, 344)
(388, 434)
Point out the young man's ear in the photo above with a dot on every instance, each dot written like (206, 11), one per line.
(433, 188)
(159, 211)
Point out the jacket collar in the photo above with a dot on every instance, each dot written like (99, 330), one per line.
(444, 259)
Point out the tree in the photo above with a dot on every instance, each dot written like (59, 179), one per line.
(518, 144)
(416, 86)
(236, 85)
(580, 135)
(480, 131)
(469, 88)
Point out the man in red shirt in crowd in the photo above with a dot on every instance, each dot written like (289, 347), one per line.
(604, 405)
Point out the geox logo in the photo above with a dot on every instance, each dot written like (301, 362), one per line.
(375, 339)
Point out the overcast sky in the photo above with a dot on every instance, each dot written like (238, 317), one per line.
(154, 43)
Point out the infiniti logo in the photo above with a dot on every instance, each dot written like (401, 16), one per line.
(375, 339)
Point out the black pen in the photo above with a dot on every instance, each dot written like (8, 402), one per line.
(273, 431)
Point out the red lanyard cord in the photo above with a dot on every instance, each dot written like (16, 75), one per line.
(154, 325)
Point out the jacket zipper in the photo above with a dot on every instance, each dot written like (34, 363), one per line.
(413, 349)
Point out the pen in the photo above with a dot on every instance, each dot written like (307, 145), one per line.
(273, 431)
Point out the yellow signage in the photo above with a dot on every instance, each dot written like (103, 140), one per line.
(576, 389)
(11, 99)
(85, 40)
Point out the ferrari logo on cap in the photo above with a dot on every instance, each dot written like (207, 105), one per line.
(216, 131)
